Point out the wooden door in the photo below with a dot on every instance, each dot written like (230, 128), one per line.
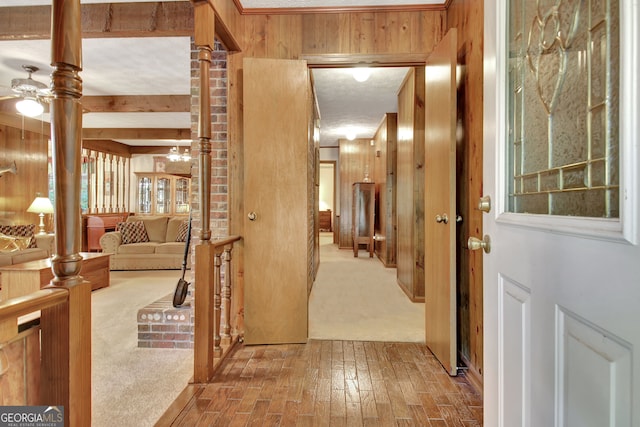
(561, 293)
(277, 203)
(440, 202)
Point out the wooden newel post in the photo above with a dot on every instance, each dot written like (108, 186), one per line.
(204, 327)
(204, 40)
(66, 329)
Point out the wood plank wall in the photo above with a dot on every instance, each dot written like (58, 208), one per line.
(467, 17)
(355, 158)
(410, 188)
(29, 150)
(295, 35)
(384, 175)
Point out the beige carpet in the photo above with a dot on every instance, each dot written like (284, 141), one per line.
(353, 299)
(133, 386)
(359, 299)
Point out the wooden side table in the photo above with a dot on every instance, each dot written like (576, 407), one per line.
(22, 279)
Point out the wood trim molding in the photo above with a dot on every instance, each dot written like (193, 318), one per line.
(340, 9)
(340, 60)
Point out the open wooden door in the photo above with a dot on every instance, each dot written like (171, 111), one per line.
(440, 202)
(276, 200)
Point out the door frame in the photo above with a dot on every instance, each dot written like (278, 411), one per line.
(391, 60)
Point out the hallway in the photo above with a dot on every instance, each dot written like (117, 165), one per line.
(353, 371)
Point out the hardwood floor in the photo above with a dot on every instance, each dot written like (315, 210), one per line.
(329, 383)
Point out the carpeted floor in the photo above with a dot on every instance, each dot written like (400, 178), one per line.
(133, 386)
(358, 299)
(352, 299)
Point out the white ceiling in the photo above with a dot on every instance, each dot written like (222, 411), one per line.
(161, 66)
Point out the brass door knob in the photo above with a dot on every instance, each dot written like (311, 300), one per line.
(484, 204)
(474, 244)
(252, 216)
(444, 218)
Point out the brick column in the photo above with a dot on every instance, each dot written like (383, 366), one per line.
(219, 223)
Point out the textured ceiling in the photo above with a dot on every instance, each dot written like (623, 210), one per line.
(160, 66)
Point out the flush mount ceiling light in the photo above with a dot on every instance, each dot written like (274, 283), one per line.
(361, 74)
(29, 107)
(350, 134)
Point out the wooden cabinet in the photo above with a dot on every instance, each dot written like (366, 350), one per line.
(362, 221)
(162, 194)
(324, 220)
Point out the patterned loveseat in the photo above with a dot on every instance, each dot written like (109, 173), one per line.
(147, 243)
(19, 243)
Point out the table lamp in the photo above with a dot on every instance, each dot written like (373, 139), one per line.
(41, 206)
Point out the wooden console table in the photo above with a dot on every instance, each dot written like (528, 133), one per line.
(22, 279)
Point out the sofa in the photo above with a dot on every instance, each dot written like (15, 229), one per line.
(147, 243)
(20, 243)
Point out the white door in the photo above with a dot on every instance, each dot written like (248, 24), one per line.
(562, 278)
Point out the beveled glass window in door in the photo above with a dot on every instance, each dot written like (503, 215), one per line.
(182, 195)
(163, 195)
(563, 76)
(144, 195)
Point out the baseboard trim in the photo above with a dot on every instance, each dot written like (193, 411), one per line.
(473, 375)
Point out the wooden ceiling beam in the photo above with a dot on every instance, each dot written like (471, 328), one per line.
(107, 146)
(139, 133)
(137, 104)
(103, 20)
(149, 149)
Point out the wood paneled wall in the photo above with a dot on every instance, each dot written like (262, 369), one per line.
(17, 191)
(410, 188)
(384, 175)
(467, 17)
(295, 35)
(355, 158)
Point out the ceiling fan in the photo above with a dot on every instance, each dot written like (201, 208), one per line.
(32, 92)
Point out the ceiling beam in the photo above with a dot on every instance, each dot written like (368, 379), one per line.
(114, 147)
(137, 104)
(149, 149)
(107, 146)
(103, 20)
(139, 133)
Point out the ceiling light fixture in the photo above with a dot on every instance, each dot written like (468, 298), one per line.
(29, 107)
(361, 74)
(175, 156)
(351, 134)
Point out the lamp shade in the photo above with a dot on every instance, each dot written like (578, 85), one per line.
(29, 107)
(41, 205)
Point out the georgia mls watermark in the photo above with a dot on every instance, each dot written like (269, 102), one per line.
(31, 416)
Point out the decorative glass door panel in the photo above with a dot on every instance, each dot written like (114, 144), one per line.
(182, 195)
(163, 196)
(563, 72)
(144, 195)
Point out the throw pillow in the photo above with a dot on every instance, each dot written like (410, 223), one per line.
(183, 229)
(26, 231)
(133, 232)
(13, 243)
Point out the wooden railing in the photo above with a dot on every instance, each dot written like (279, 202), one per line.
(61, 380)
(215, 326)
